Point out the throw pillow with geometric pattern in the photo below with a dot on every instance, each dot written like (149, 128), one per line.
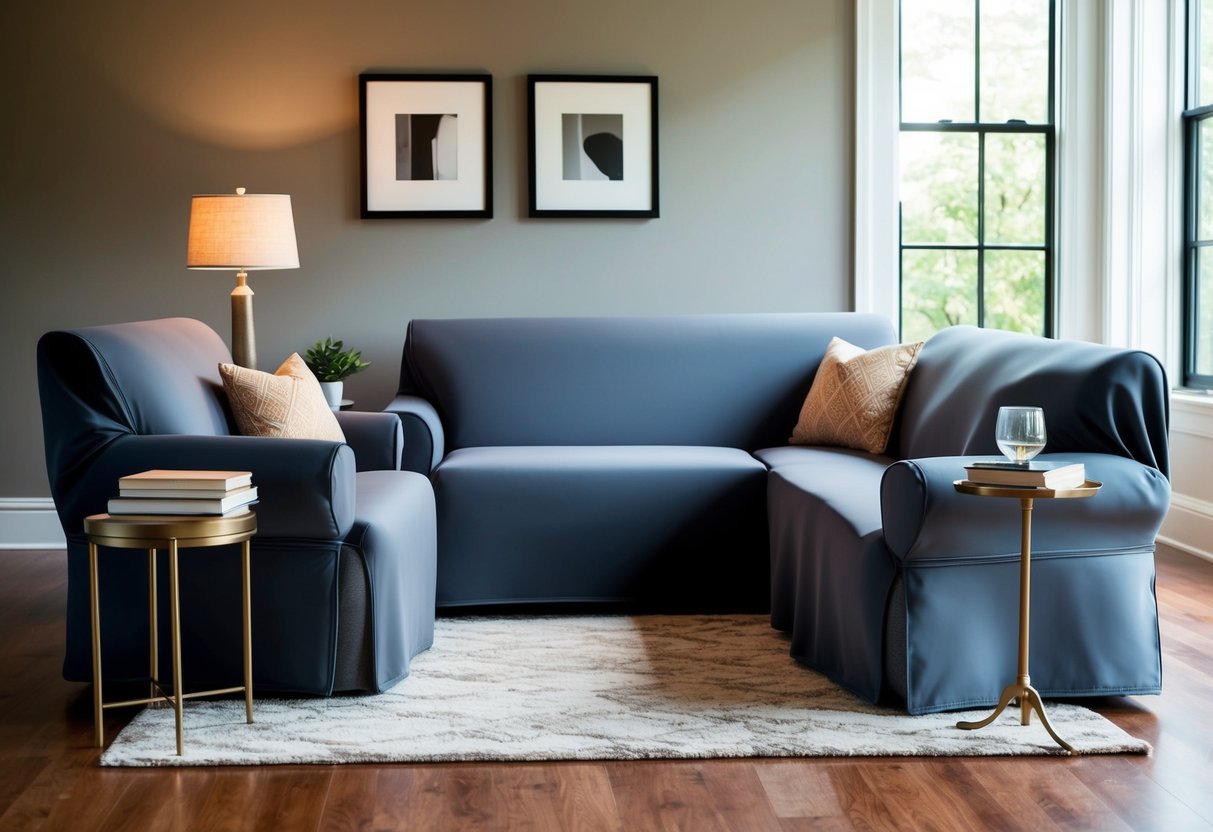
(288, 403)
(854, 396)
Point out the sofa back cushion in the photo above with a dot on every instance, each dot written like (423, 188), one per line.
(1096, 399)
(726, 380)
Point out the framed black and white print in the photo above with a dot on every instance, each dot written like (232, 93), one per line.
(593, 145)
(426, 145)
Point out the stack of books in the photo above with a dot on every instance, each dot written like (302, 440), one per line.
(221, 493)
(1035, 474)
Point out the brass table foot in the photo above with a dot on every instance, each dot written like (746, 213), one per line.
(1029, 700)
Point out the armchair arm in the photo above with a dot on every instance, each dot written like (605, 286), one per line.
(376, 438)
(927, 521)
(305, 486)
(424, 441)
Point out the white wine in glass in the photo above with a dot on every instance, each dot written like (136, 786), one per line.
(1020, 432)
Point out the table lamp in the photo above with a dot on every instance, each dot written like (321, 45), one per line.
(243, 232)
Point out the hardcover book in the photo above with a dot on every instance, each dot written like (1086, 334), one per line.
(240, 501)
(182, 493)
(223, 481)
(1035, 474)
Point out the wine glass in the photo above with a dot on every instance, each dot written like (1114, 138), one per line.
(1020, 433)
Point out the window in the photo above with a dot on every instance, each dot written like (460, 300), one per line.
(977, 165)
(1198, 199)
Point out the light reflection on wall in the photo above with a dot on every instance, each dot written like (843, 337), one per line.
(247, 75)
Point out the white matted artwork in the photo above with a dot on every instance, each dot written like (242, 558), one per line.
(426, 145)
(593, 146)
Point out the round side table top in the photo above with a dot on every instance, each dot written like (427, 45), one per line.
(1087, 489)
(141, 531)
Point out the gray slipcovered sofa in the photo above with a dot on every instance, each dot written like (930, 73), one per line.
(642, 463)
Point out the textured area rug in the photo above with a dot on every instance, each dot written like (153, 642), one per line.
(593, 688)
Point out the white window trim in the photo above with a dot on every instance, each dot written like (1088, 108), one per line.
(1120, 161)
(1079, 291)
(1142, 143)
(877, 122)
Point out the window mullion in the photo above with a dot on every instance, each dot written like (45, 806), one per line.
(981, 228)
(978, 116)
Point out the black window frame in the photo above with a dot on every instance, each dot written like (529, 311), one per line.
(983, 129)
(1193, 117)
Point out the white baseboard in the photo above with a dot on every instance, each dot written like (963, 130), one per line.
(1189, 526)
(30, 523)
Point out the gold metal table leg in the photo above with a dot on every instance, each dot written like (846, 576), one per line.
(248, 629)
(1025, 603)
(152, 622)
(95, 610)
(175, 611)
(1022, 689)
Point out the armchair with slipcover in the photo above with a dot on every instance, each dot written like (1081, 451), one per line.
(343, 564)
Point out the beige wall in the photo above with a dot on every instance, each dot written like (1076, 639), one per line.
(115, 113)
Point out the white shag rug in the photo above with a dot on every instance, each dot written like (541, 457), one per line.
(593, 688)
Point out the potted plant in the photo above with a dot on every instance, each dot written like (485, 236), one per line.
(331, 362)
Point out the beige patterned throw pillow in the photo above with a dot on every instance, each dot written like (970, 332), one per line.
(855, 396)
(288, 403)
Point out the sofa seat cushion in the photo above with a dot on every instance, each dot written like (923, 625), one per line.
(656, 527)
(830, 570)
(847, 482)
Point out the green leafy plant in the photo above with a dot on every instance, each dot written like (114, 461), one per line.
(331, 361)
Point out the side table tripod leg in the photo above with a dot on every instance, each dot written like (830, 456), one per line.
(1009, 693)
(1034, 700)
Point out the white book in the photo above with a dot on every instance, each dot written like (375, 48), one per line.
(183, 493)
(157, 505)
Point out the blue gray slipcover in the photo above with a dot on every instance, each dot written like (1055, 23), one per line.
(868, 554)
(607, 459)
(343, 561)
(643, 462)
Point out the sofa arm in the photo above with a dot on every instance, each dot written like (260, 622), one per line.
(424, 441)
(305, 486)
(376, 438)
(926, 521)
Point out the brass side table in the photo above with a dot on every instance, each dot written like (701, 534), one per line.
(1021, 689)
(152, 532)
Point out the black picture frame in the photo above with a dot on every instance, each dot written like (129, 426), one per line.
(426, 145)
(592, 146)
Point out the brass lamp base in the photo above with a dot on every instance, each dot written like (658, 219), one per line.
(244, 348)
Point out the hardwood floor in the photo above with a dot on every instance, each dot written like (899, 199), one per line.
(49, 778)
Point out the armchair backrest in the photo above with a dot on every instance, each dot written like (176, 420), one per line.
(1096, 399)
(99, 383)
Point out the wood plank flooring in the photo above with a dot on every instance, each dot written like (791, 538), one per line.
(49, 778)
